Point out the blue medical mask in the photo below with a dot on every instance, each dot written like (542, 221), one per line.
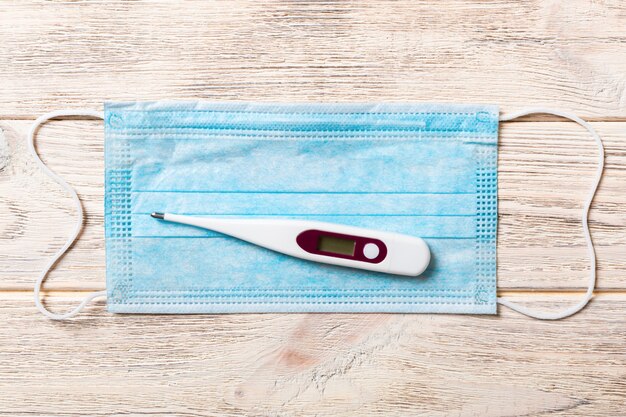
(424, 170)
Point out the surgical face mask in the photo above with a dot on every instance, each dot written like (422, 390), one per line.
(423, 170)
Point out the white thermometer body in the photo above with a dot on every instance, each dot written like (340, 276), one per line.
(328, 243)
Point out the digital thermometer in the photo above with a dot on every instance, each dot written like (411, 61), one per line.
(329, 243)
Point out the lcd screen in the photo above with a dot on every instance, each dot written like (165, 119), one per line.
(336, 245)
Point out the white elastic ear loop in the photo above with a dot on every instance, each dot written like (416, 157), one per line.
(585, 219)
(79, 209)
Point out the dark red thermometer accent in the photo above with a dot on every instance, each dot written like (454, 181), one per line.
(338, 245)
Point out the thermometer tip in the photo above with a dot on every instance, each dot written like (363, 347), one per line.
(157, 215)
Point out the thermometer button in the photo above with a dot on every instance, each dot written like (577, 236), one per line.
(371, 251)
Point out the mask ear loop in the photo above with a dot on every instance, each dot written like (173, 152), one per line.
(79, 209)
(542, 315)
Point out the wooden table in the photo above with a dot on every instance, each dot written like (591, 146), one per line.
(569, 55)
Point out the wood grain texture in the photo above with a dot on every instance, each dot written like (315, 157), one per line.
(564, 54)
(77, 54)
(545, 170)
(313, 364)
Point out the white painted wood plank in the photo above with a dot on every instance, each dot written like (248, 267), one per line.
(78, 54)
(544, 173)
(313, 364)
(564, 54)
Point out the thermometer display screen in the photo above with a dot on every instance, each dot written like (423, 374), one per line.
(336, 245)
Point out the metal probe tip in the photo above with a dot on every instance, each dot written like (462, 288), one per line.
(158, 215)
